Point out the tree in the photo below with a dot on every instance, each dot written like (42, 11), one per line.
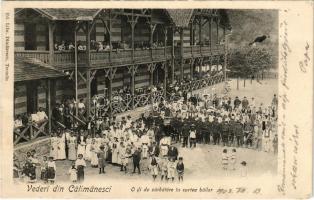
(247, 61)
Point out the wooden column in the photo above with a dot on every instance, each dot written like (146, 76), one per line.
(109, 32)
(165, 78)
(172, 55)
(151, 68)
(200, 33)
(88, 80)
(110, 77)
(133, 23)
(192, 68)
(217, 30)
(165, 42)
(51, 45)
(152, 30)
(133, 84)
(182, 54)
(210, 21)
(225, 54)
(191, 34)
(48, 104)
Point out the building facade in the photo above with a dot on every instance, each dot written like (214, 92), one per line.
(94, 53)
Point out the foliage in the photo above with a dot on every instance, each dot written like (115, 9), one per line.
(247, 61)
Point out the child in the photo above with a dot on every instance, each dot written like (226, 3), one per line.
(51, 171)
(180, 169)
(153, 167)
(233, 159)
(171, 167)
(164, 168)
(80, 164)
(44, 169)
(73, 173)
(225, 159)
(243, 169)
(101, 159)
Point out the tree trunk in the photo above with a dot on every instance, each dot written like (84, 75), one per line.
(238, 83)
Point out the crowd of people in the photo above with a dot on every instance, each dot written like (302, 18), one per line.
(104, 46)
(151, 142)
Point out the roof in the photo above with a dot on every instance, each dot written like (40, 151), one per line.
(180, 17)
(68, 13)
(26, 69)
(222, 14)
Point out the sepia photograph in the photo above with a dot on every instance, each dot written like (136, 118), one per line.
(162, 95)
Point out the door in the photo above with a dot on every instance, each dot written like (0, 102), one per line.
(93, 87)
(32, 97)
(53, 93)
(30, 36)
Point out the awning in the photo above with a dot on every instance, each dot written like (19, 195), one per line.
(26, 69)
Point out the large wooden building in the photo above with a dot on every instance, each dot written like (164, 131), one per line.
(160, 46)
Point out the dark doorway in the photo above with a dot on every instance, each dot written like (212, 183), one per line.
(158, 76)
(93, 87)
(30, 36)
(32, 97)
(53, 93)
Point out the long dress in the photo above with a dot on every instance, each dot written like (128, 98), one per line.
(72, 148)
(94, 150)
(88, 152)
(54, 147)
(81, 148)
(115, 153)
(61, 148)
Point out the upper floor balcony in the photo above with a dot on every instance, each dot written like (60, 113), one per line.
(66, 59)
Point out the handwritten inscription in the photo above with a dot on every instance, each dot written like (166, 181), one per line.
(285, 52)
(304, 63)
(294, 168)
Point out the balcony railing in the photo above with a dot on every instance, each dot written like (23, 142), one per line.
(30, 131)
(197, 51)
(119, 56)
(40, 55)
(124, 102)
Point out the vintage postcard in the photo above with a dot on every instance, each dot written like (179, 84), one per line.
(189, 99)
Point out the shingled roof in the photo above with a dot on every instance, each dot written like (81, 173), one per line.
(180, 17)
(33, 69)
(67, 13)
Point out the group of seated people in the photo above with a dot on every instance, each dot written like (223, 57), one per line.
(103, 45)
(37, 119)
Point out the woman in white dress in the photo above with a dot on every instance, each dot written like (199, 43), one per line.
(115, 152)
(61, 147)
(88, 152)
(93, 153)
(72, 147)
(81, 145)
(54, 147)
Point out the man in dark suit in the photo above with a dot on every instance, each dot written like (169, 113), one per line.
(154, 150)
(136, 160)
(173, 153)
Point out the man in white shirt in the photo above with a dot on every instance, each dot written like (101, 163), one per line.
(42, 116)
(192, 136)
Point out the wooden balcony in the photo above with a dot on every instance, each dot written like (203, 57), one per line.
(120, 57)
(40, 55)
(199, 51)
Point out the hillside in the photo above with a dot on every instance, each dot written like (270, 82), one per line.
(248, 24)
